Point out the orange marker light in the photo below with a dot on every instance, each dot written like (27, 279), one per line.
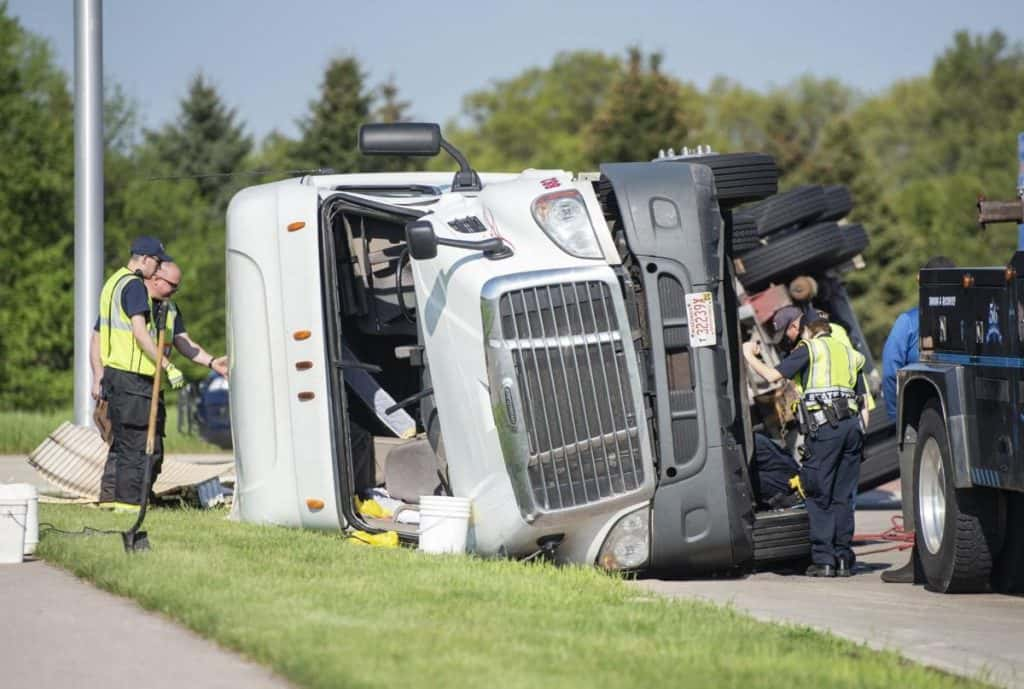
(302, 335)
(306, 396)
(1010, 274)
(296, 226)
(967, 280)
(303, 365)
(314, 504)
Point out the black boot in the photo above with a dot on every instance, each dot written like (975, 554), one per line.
(821, 571)
(845, 568)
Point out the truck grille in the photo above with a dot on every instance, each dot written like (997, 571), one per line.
(572, 380)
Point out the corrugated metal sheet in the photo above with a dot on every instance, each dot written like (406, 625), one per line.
(72, 459)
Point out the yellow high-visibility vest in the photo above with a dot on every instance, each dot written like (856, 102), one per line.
(839, 333)
(118, 347)
(832, 369)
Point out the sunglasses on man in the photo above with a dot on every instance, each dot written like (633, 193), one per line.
(172, 285)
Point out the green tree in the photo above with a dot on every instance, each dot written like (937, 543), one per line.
(205, 142)
(36, 204)
(328, 134)
(535, 119)
(645, 111)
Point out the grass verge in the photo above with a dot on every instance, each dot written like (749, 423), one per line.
(328, 613)
(22, 431)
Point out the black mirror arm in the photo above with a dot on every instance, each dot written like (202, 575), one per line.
(492, 248)
(466, 179)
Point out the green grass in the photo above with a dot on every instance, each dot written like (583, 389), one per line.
(21, 432)
(328, 613)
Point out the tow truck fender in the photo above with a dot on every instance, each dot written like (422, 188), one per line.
(922, 381)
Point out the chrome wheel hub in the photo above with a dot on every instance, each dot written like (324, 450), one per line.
(931, 493)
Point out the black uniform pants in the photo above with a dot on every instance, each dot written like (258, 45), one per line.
(829, 476)
(128, 396)
(772, 468)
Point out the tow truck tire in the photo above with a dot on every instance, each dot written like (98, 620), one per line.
(953, 527)
(1008, 576)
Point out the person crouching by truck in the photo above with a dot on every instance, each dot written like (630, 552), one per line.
(832, 391)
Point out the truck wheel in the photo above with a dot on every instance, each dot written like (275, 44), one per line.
(953, 526)
(740, 177)
(805, 250)
(1008, 575)
(854, 240)
(838, 203)
(796, 207)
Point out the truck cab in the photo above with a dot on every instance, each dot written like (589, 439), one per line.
(561, 349)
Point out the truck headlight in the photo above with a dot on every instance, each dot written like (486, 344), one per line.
(563, 217)
(628, 545)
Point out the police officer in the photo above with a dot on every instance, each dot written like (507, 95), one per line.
(831, 387)
(127, 346)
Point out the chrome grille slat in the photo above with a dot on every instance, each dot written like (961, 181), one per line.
(622, 399)
(607, 387)
(554, 389)
(579, 425)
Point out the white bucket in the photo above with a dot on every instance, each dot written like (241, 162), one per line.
(444, 523)
(28, 493)
(12, 530)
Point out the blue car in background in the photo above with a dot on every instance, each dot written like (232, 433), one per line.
(204, 407)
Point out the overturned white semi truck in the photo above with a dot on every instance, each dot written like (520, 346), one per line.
(566, 347)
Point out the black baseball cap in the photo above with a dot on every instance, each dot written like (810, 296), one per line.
(150, 246)
(781, 320)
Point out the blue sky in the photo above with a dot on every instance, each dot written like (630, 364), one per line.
(266, 57)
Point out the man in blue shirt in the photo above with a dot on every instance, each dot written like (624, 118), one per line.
(901, 349)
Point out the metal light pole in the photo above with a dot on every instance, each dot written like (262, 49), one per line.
(88, 192)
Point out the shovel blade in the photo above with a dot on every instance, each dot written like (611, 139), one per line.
(135, 541)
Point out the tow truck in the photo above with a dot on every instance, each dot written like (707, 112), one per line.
(961, 421)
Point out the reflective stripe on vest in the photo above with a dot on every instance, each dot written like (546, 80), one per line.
(118, 346)
(832, 369)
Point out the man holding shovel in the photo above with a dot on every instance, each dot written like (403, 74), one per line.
(128, 348)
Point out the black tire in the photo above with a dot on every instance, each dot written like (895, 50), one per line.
(740, 177)
(954, 528)
(799, 206)
(854, 241)
(744, 232)
(1008, 571)
(809, 249)
(838, 203)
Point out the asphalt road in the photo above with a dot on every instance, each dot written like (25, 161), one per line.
(980, 636)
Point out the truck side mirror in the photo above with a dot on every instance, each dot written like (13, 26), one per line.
(421, 240)
(422, 243)
(400, 138)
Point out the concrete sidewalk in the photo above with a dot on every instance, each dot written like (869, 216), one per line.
(61, 632)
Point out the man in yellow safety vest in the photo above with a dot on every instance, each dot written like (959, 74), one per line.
(832, 395)
(128, 352)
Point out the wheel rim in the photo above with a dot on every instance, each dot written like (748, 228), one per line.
(932, 492)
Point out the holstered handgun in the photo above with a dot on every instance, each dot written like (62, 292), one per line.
(807, 423)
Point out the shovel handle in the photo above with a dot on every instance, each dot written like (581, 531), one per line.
(154, 399)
